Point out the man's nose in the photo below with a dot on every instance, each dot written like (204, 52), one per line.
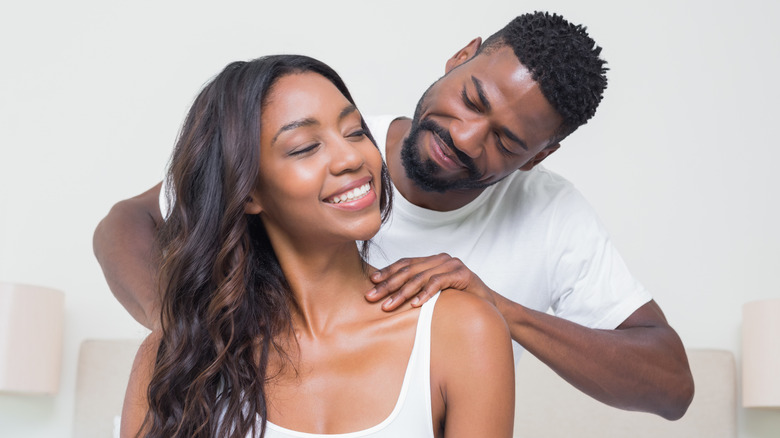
(469, 135)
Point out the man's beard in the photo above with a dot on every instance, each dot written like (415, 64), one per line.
(423, 173)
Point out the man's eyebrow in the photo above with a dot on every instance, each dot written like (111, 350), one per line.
(481, 93)
(486, 104)
(511, 135)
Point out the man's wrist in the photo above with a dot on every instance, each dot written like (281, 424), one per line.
(511, 311)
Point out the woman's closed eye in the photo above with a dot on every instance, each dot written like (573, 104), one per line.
(303, 150)
(357, 134)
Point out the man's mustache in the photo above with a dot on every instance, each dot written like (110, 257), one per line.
(444, 135)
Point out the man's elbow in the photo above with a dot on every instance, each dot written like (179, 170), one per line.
(107, 231)
(99, 238)
(680, 399)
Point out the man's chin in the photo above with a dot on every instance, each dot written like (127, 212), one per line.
(432, 187)
(430, 183)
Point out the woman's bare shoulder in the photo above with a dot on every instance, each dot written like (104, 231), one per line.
(465, 317)
(472, 370)
(136, 403)
(147, 351)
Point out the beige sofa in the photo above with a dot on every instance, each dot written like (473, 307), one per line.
(547, 407)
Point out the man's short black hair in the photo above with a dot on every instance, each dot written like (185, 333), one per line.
(562, 58)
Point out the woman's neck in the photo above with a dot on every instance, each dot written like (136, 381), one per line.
(328, 285)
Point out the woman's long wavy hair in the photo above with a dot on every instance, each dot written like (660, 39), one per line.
(225, 298)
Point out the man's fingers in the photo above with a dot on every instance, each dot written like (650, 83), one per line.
(390, 284)
(409, 264)
(418, 279)
(423, 285)
(410, 289)
(391, 278)
(382, 274)
(431, 288)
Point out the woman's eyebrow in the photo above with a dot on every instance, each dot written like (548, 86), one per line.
(349, 109)
(300, 123)
(310, 121)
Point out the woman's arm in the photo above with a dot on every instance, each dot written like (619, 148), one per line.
(136, 402)
(472, 369)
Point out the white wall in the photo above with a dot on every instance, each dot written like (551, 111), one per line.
(680, 161)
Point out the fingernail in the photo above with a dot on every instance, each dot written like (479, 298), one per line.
(415, 301)
(371, 293)
(375, 275)
(388, 302)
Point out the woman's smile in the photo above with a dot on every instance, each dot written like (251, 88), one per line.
(319, 170)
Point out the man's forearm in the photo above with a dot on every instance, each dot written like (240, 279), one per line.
(124, 245)
(640, 366)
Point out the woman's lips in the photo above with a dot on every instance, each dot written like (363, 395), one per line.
(350, 195)
(357, 195)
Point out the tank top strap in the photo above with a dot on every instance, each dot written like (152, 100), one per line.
(418, 404)
(422, 341)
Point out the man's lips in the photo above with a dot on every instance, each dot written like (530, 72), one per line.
(443, 155)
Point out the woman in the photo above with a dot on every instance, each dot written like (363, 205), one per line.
(265, 331)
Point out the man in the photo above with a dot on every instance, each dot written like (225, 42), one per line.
(466, 169)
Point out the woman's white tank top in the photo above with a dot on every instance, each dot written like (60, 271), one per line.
(411, 417)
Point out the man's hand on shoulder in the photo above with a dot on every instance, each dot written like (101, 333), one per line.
(419, 278)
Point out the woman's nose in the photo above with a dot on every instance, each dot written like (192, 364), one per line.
(345, 156)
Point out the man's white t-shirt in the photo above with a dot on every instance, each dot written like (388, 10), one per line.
(531, 237)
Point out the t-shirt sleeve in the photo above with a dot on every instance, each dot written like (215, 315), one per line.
(165, 197)
(591, 284)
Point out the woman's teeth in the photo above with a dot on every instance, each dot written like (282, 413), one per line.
(351, 195)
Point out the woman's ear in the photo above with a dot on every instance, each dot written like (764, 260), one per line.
(252, 205)
(538, 158)
(463, 54)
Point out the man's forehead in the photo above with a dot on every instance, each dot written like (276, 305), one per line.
(506, 79)
(500, 65)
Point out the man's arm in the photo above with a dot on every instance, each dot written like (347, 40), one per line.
(124, 245)
(641, 365)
